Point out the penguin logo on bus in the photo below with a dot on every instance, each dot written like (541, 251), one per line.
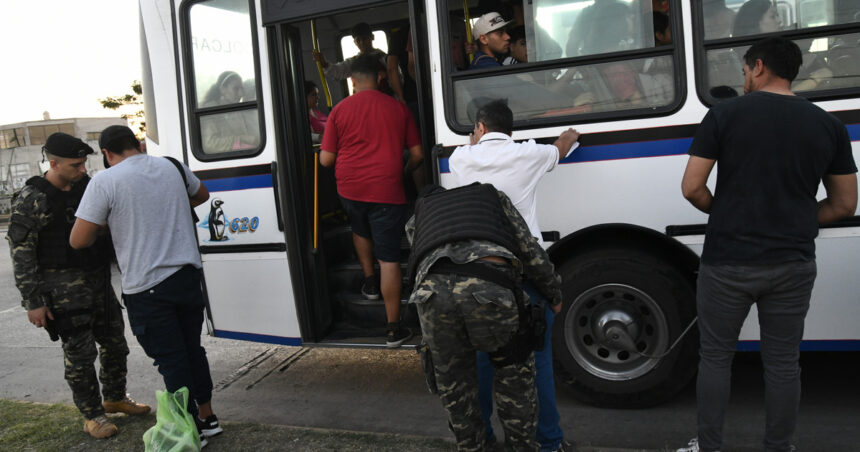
(217, 225)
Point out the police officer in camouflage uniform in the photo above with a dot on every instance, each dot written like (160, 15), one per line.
(461, 313)
(68, 292)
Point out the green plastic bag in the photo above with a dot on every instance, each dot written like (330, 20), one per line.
(174, 429)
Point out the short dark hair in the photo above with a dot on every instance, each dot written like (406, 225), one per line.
(661, 22)
(781, 56)
(496, 116)
(361, 30)
(119, 145)
(309, 87)
(365, 65)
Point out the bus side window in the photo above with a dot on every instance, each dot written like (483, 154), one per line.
(561, 30)
(830, 61)
(225, 107)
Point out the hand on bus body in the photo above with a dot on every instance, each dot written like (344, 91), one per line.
(565, 141)
(555, 308)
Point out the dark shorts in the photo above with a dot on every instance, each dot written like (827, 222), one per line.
(381, 223)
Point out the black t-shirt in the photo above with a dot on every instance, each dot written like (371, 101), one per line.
(771, 151)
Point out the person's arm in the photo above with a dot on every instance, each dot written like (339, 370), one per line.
(394, 77)
(200, 197)
(339, 71)
(841, 200)
(29, 216)
(327, 158)
(416, 156)
(84, 234)
(565, 141)
(536, 265)
(694, 183)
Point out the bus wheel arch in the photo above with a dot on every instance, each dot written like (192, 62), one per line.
(643, 281)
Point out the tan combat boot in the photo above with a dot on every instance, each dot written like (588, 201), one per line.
(127, 405)
(100, 427)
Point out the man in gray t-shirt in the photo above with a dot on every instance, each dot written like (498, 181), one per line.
(146, 203)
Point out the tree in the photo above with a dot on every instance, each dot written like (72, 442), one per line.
(131, 103)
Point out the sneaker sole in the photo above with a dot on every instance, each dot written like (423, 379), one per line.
(397, 344)
(203, 442)
(370, 297)
(210, 432)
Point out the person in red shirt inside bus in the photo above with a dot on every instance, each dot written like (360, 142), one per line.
(364, 139)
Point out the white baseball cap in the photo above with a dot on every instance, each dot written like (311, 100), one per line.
(487, 23)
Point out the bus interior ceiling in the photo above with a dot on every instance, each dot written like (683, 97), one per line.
(356, 319)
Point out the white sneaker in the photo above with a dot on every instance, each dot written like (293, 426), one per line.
(692, 446)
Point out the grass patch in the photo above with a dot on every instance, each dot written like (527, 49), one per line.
(26, 426)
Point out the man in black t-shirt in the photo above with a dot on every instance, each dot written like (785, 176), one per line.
(773, 149)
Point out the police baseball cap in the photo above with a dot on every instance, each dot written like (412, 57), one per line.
(487, 23)
(114, 132)
(66, 146)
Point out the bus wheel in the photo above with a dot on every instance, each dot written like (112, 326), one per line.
(618, 304)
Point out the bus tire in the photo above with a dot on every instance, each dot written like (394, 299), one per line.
(653, 301)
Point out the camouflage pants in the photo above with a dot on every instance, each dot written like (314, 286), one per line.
(458, 316)
(79, 306)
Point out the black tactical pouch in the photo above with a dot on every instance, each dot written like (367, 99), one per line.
(429, 370)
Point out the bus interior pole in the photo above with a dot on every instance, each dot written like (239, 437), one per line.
(324, 84)
(319, 64)
(468, 20)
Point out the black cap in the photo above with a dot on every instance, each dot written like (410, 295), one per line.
(112, 133)
(66, 146)
(361, 29)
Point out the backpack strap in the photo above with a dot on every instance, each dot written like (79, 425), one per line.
(185, 183)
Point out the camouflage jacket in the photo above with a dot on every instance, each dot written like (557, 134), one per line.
(31, 212)
(538, 269)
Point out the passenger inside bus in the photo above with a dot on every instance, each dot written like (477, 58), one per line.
(754, 17)
(316, 117)
(362, 35)
(229, 131)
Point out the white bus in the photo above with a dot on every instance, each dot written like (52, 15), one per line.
(618, 229)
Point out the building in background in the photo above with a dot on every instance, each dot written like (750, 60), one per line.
(21, 149)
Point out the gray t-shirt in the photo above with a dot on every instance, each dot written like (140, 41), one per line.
(145, 205)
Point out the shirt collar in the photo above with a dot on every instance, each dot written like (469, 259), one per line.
(495, 136)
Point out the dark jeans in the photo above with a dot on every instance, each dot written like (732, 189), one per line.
(724, 295)
(549, 433)
(167, 320)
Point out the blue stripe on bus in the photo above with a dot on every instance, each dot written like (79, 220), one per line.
(640, 149)
(853, 131)
(619, 151)
(265, 338)
(809, 346)
(239, 183)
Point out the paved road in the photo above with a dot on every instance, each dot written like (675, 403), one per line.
(378, 390)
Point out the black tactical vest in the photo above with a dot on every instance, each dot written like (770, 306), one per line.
(472, 212)
(54, 250)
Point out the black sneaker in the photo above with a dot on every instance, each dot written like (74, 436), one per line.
(203, 441)
(398, 337)
(370, 288)
(209, 427)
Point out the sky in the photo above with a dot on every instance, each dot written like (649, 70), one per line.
(61, 56)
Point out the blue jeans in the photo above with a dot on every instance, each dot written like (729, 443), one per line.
(549, 434)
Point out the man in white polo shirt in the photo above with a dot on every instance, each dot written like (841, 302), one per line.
(493, 157)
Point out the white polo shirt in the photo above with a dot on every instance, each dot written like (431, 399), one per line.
(513, 168)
